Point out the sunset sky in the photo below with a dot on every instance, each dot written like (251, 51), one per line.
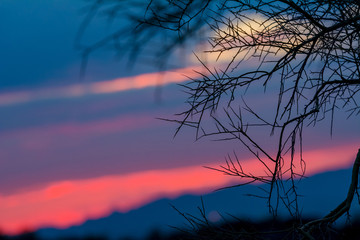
(73, 149)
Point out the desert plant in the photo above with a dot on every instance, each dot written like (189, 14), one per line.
(308, 50)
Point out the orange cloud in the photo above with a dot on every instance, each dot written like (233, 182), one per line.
(145, 80)
(65, 203)
(103, 87)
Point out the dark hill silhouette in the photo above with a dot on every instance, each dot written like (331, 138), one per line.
(321, 193)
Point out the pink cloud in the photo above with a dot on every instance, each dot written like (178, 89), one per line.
(70, 202)
(99, 127)
(65, 203)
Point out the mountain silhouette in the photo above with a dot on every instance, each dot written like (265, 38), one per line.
(321, 193)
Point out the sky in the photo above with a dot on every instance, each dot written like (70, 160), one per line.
(76, 148)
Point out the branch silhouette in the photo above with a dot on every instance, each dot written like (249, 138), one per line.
(306, 49)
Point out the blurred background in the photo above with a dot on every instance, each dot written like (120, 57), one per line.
(82, 151)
